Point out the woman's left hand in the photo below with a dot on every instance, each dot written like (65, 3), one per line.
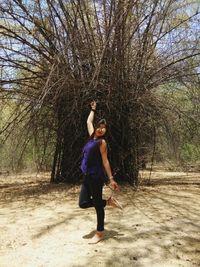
(114, 185)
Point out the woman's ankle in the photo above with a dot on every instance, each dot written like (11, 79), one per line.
(100, 233)
(97, 237)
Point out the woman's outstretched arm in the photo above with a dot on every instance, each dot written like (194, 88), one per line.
(90, 118)
(106, 164)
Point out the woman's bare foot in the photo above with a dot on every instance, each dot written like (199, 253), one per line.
(114, 203)
(96, 238)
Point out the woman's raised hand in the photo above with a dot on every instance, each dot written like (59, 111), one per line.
(93, 104)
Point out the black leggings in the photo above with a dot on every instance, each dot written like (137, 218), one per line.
(92, 187)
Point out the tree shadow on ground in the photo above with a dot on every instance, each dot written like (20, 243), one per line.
(16, 192)
(165, 233)
(49, 227)
(176, 178)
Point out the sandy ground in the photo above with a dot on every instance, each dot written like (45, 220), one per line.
(41, 224)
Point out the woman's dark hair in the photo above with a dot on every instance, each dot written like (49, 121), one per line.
(102, 121)
(96, 125)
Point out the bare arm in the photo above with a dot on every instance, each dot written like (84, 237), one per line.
(106, 164)
(90, 118)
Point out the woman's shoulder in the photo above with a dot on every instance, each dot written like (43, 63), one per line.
(102, 142)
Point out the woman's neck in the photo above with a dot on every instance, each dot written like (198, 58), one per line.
(95, 137)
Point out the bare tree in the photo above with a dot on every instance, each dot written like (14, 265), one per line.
(56, 56)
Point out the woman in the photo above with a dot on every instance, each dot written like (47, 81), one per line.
(93, 164)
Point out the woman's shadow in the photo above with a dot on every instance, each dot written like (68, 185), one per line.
(107, 234)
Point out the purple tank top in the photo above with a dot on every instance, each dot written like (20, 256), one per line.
(91, 161)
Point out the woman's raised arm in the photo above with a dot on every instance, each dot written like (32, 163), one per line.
(90, 118)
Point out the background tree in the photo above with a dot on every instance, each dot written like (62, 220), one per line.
(56, 57)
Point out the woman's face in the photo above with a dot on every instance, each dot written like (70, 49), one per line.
(100, 130)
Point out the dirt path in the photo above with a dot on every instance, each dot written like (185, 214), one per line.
(41, 225)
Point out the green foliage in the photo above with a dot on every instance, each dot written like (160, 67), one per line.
(24, 147)
(190, 152)
(178, 138)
